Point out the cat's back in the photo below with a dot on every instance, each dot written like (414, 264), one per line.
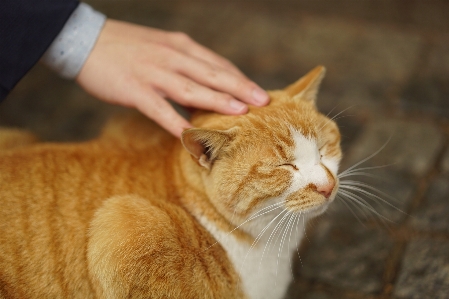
(125, 159)
(77, 177)
(49, 194)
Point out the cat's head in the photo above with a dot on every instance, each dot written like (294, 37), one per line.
(284, 152)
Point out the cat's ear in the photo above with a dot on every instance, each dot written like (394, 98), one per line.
(307, 87)
(205, 145)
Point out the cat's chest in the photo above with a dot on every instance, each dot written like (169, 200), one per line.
(265, 267)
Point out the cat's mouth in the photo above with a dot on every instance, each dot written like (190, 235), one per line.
(309, 199)
(309, 203)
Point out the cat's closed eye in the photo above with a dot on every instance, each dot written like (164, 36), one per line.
(290, 165)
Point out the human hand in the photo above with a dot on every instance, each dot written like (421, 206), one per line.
(138, 67)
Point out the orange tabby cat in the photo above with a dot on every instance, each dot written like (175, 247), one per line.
(137, 214)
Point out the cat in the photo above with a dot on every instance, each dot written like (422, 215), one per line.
(137, 213)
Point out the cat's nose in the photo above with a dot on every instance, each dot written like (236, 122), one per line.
(326, 190)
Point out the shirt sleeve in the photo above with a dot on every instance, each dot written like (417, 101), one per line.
(70, 49)
(27, 28)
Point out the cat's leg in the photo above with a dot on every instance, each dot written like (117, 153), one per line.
(139, 248)
(13, 138)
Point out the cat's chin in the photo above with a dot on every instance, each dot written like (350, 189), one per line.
(314, 211)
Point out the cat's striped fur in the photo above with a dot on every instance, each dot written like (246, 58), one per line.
(134, 214)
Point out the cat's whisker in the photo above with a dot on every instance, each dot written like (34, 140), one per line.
(279, 231)
(259, 213)
(254, 216)
(304, 227)
(281, 237)
(333, 118)
(297, 233)
(363, 203)
(327, 115)
(364, 160)
(359, 173)
(374, 196)
(270, 238)
(358, 199)
(294, 226)
(356, 170)
(277, 204)
(284, 238)
(341, 116)
(362, 208)
(354, 185)
(352, 211)
(354, 190)
(295, 216)
(343, 200)
(259, 236)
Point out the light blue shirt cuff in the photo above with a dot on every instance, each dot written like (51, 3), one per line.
(69, 51)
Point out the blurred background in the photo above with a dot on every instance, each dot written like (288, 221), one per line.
(387, 83)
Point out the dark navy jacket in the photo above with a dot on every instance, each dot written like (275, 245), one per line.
(27, 28)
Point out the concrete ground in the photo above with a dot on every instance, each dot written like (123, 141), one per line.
(388, 75)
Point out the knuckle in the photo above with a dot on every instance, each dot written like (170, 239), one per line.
(249, 86)
(188, 91)
(227, 62)
(212, 73)
(181, 37)
(223, 99)
(242, 85)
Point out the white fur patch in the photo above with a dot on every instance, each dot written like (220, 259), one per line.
(265, 268)
(310, 164)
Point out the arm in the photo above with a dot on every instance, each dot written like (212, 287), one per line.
(27, 28)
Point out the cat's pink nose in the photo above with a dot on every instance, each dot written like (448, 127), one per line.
(326, 190)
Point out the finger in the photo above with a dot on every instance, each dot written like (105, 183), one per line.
(222, 80)
(176, 40)
(159, 110)
(183, 43)
(189, 93)
(200, 52)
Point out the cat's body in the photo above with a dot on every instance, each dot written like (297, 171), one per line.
(135, 214)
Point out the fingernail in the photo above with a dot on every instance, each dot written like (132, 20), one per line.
(260, 96)
(237, 106)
